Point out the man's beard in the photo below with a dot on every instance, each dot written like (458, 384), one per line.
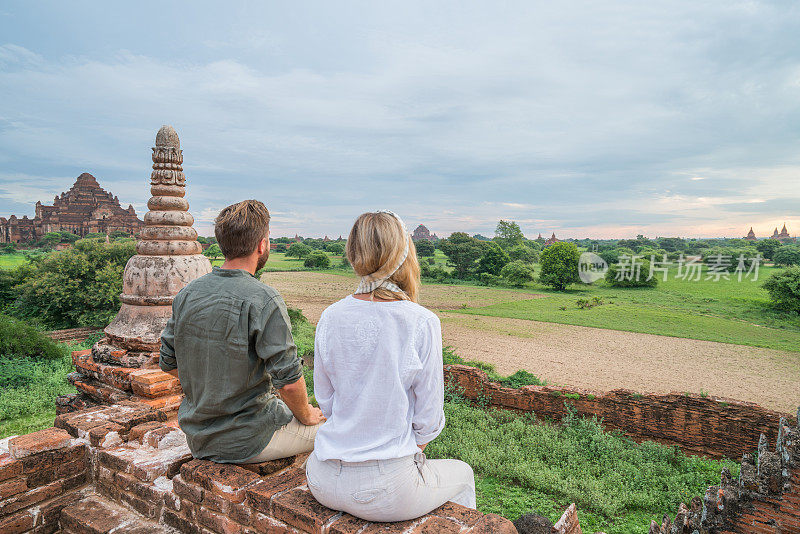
(262, 260)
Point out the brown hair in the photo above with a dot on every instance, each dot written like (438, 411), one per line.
(240, 227)
(376, 243)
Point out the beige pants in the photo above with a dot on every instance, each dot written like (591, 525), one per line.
(288, 440)
(390, 490)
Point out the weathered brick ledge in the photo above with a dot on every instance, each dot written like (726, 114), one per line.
(121, 469)
(711, 426)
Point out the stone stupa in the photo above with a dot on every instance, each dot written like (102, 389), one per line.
(124, 364)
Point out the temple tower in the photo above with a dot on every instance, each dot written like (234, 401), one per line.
(168, 254)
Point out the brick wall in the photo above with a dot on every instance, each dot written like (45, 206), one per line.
(123, 469)
(711, 426)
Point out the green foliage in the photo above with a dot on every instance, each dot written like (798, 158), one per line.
(784, 289)
(611, 256)
(50, 240)
(508, 234)
(298, 250)
(213, 252)
(631, 273)
(79, 286)
(559, 265)
(787, 256)
(317, 260)
(302, 332)
(335, 248)
(516, 273)
(463, 253)
(493, 260)
(9, 280)
(768, 247)
(522, 378)
(95, 235)
(433, 272)
(8, 248)
(20, 340)
(523, 253)
(425, 248)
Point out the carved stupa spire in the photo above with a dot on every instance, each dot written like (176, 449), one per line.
(168, 253)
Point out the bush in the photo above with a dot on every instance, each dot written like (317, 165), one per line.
(335, 248)
(20, 340)
(317, 260)
(425, 248)
(493, 260)
(630, 274)
(523, 253)
(559, 264)
(787, 256)
(768, 247)
(298, 250)
(79, 286)
(437, 274)
(516, 273)
(784, 289)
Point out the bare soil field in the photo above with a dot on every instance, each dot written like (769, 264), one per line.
(591, 358)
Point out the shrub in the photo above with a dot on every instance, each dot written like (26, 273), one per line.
(20, 340)
(298, 250)
(523, 253)
(522, 378)
(517, 273)
(768, 247)
(559, 264)
(784, 289)
(425, 248)
(487, 279)
(435, 273)
(493, 260)
(317, 260)
(630, 273)
(787, 256)
(79, 286)
(335, 248)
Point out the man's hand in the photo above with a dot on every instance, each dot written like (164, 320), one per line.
(296, 398)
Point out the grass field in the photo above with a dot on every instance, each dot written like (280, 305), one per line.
(9, 261)
(278, 262)
(727, 311)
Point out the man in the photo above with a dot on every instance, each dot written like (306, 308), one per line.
(230, 343)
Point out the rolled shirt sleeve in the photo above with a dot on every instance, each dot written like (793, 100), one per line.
(428, 385)
(166, 359)
(272, 332)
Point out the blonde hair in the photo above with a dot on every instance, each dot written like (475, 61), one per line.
(375, 245)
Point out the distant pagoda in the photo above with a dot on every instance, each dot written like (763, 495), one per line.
(751, 235)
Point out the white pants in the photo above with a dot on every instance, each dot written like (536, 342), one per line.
(289, 440)
(390, 490)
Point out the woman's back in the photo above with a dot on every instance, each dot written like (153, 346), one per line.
(372, 360)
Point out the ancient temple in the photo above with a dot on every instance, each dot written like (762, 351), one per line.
(784, 235)
(751, 235)
(84, 209)
(421, 233)
(552, 239)
(124, 364)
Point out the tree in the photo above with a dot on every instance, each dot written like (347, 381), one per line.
(784, 289)
(787, 256)
(523, 253)
(517, 273)
(69, 237)
(559, 263)
(768, 247)
(508, 233)
(493, 260)
(462, 253)
(50, 239)
(630, 272)
(317, 260)
(213, 251)
(79, 286)
(298, 250)
(425, 248)
(335, 248)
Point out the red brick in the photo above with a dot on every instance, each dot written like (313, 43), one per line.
(264, 524)
(398, 527)
(140, 430)
(153, 437)
(187, 490)
(260, 494)
(144, 490)
(78, 424)
(263, 469)
(347, 524)
(226, 480)
(9, 467)
(12, 487)
(37, 442)
(50, 511)
(493, 524)
(53, 458)
(17, 523)
(24, 500)
(461, 514)
(181, 523)
(98, 433)
(437, 525)
(62, 470)
(300, 509)
(218, 522)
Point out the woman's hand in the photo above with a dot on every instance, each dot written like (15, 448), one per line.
(313, 416)
(422, 447)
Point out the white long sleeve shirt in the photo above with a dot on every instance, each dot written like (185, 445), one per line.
(378, 379)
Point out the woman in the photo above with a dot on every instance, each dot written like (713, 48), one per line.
(378, 380)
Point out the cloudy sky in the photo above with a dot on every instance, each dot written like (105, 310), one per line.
(588, 119)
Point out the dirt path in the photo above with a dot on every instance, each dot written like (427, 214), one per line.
(592, 358)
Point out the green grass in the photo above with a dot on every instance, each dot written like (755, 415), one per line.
(725, 311)
(278, 262)
(9, 261)
(524, 465)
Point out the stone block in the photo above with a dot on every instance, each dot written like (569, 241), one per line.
(494, 524)
(17, 523)
(98, 434)
(347, 524)
(218, 522)
(268, 468)
(145, 463)
(437, 525)
(226, 480)
(9, 467)
(12, 487)
(29, 498)
(37, 442)
(460, 514)
(138, 431)
(260, 495)
(301, 510)
(264, 524)
(46, 460)
(60, 470)
(186, 490)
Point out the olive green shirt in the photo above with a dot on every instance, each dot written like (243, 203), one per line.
(231, 340)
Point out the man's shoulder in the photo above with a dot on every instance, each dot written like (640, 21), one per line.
(246, 288)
